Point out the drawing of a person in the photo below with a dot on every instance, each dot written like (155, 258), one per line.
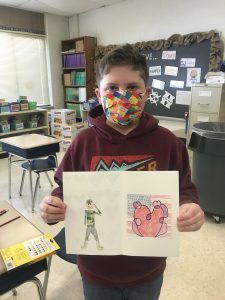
(89, 221)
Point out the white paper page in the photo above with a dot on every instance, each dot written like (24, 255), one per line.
(183, 97)
(105, 191)
(177, 84)
(169, 55)
(187, 62)
(155, 71)
(158, 84)
(170, 70)
(149, 229)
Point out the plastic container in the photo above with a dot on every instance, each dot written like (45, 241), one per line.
(208, 171)
(32, 105)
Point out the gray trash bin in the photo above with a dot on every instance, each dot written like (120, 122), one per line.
(208, 170)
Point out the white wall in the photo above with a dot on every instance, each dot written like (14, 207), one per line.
(74, 26)
(57, 29)
(145, 20)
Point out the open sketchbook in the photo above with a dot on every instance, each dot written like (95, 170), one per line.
(129, 213)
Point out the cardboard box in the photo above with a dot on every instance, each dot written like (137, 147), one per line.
(56, 130)
(75, 107)
(63, 116)
(65, 144)
(79, 46)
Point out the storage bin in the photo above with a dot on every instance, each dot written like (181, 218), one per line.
(208, 145)
(4, 108)
(16, 125)
(14, 107)
(32, 105)
(4, 127)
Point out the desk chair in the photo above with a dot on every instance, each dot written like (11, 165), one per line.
(71, 258)
(10, 280)
(38, 166)
(60, 240)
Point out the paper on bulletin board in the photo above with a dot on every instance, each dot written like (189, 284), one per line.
(177, 84)
(170, 55)
(170, 70)
(158, 84)
(115, 204)
(193, 76)
(187, 62)
(183, 97)
(155, 71)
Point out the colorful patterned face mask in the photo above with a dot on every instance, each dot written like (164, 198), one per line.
(122, 108)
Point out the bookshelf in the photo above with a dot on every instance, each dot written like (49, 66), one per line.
(41, 126)
(78, 71)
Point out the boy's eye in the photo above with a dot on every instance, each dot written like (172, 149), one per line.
(133, 87)
(111, 89)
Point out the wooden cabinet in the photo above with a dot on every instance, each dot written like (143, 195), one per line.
(78, 71)
(207, 105)
(41, 115)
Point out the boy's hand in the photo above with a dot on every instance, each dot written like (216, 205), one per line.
(52, 209)
(191, 217)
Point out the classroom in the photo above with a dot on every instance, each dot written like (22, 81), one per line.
(48, 86)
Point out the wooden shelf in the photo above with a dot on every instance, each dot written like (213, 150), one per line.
(72, 101)
(85, 63)
(75, 52)
(13, 132)
(14, 113)
(74, 86)
(74, 68)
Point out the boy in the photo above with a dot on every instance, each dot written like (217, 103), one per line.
(123, 137)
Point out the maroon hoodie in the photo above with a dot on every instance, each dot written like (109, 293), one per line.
(102, 148)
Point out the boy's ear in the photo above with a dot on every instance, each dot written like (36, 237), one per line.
(97, 92)
(148, 90)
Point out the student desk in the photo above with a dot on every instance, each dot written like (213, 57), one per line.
(14, 232)
(28, 147)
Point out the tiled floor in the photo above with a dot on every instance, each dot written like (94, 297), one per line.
(197, 274)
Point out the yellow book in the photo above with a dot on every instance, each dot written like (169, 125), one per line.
(29, 251)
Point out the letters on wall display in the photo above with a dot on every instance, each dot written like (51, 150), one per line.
(174, 65)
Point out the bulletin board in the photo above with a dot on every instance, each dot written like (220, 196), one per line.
(174, 66)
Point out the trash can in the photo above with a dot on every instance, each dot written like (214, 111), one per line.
(208, 170)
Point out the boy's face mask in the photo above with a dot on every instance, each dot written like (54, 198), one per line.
(122, 108)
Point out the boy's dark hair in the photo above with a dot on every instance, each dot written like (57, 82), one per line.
(125, 55)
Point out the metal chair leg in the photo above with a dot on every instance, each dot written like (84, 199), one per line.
(39, 286)
(14, 291)
(22, 182)
(46, 277)
(35, 191)
(49, 179)
(9, 173)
